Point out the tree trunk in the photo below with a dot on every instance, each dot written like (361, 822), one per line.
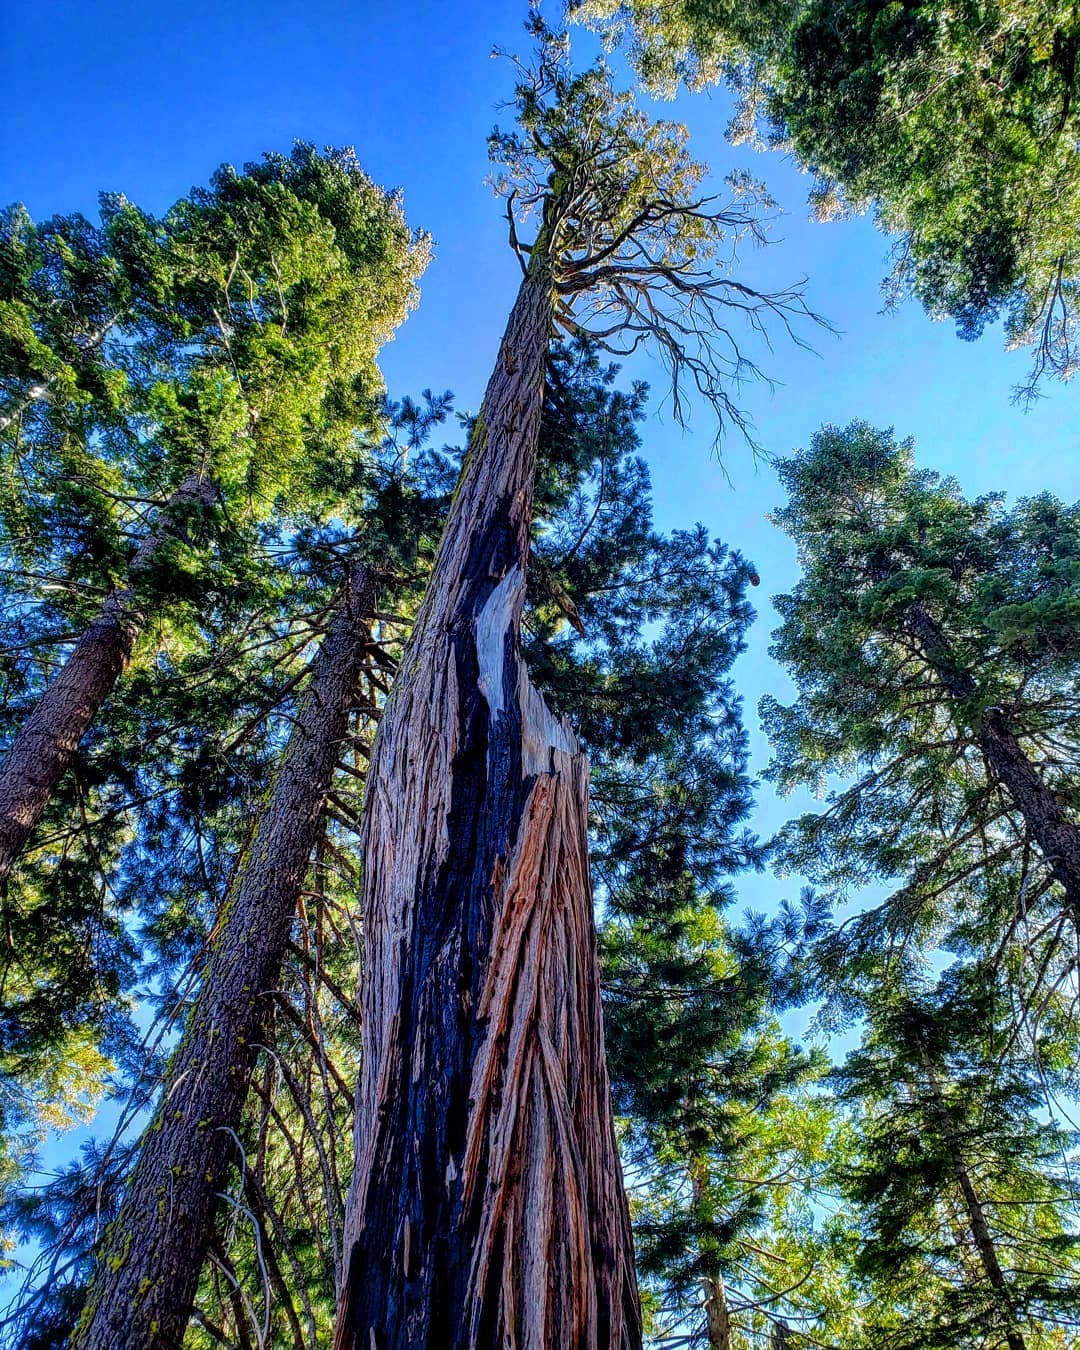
(717, 1316)
(1057, 836)
(977, 1222)
(148, 1265)
(717, 1313)
(46, 742)
(487, 1207)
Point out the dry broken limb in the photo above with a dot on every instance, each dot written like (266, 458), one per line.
(487, 1206)
(148, 1264)
(644, 255)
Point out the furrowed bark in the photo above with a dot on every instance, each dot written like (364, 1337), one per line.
(46, 742)
(487, 1206)
(717, 1317)
(148, 1265)
(1057, 836)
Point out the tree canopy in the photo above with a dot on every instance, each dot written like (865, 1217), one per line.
(956, 124)
(419, 758)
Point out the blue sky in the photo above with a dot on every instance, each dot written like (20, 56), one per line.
(148, 99)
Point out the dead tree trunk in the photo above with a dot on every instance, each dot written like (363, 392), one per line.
(47, 741)
(1057, 837)
(487, 1207)
(148, 1266)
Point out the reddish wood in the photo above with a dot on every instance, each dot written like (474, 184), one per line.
(46, 743)
(148, 1264)
(487, 1206)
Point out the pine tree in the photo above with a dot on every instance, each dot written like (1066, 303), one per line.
(596, 558)
(957, 123)
(233, 337)
(148, 1265)
(184, 396)
(957, 1178)
(185, 872)
(933, 644)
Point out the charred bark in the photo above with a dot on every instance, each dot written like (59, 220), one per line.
(46, 743)
(487, 1206)
(148, 1266)
(1057, 837)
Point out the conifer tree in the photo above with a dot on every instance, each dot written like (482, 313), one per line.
(187, 865)
(957, 123)
(216, 353)
(957, 1178)
(933, 641)
(486, 1204)
(597, 565)
(148, 1265)
(183, 397)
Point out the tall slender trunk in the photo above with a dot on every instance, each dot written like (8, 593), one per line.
(487, 1207)
(977, 1222)
(1057, 836)
(46, 742)
(147, 1269)
(717, 1316)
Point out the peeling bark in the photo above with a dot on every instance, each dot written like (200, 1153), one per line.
(46, 742)
(148, 1265)
(487, 1206)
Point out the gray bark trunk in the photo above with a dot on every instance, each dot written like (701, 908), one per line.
(46, 742)
(148, 1265)
(487, 1207)
(717, 1313)
(717, 1316)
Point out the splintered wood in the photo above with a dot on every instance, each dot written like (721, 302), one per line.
(487, 1208)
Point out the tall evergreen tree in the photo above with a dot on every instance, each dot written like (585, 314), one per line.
(597, 565)
(487, 1202)
(148, 1265)
(957, 1180)
(184, 395)
(219, 727)
(933, 642)
(233, 341)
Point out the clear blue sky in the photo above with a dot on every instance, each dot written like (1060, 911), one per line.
(148, 99)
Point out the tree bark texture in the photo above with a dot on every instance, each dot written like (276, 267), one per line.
(46, 742)
(148, 1265)
(717, 1317)
(1057, 836)
(487, 1207)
